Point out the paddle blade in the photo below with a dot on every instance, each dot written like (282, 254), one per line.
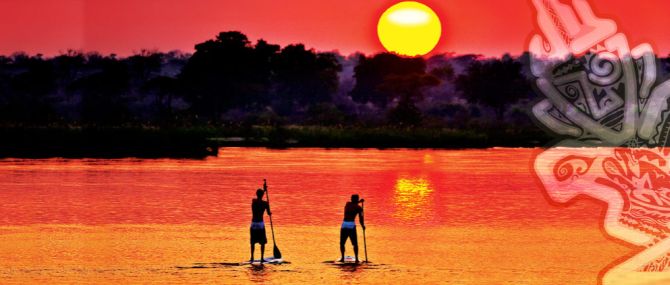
(276, 252)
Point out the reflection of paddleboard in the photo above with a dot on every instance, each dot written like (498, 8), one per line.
(267, 260)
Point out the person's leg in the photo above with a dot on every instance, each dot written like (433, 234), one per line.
(343, 240)
(354, 242)
(262, 252)
(252, 253)
(251, 240)
(263, 241)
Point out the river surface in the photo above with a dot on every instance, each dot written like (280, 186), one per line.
(433, 217)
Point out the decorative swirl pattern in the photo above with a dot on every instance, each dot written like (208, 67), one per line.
(605, 68)
(571, 92)
(572, 167)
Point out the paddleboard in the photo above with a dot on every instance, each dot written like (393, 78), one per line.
(348, 260)
(257, 262)
(267, 260)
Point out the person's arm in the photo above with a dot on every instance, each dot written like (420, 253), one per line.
(361, 219)
(267, 207)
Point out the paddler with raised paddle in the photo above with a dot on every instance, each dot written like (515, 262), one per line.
(257, 229)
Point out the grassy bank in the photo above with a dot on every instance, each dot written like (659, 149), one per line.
(379, 137)
(199, 142)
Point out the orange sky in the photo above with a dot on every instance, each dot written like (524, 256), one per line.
(488, 27)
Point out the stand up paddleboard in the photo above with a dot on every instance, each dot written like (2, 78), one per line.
(348, 261)
(255, 263)
(267, 260)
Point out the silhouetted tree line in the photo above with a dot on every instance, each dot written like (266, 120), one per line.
(229, 80)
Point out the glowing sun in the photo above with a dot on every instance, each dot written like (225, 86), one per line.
(409, 28)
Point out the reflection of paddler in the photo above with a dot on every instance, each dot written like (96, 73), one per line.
(348, 229)
(257, 229)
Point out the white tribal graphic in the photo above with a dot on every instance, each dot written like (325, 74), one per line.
(607, 100)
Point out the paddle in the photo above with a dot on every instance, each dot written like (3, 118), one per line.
(275, 250)
(365, 244)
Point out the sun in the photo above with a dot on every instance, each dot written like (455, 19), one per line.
(409, 28)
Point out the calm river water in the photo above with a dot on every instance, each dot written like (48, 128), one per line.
(433, 217)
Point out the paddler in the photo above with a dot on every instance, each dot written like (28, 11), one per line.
(348, 229)
(257, 230)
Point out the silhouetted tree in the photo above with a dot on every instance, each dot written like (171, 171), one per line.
(407, 88)
(303, 77)
(370, 73)
(104, 93)
(68, 67)
(326, 114)
(494, 83)
(444, 72)
(164, 89)
(144, 65)
(29, 97)
(405, 114)
(227, 72)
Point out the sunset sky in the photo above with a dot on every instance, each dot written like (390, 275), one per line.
(125, 26)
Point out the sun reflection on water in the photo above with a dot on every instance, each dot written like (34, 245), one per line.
(412, 198)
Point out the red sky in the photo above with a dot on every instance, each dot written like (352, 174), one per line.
(489, 27)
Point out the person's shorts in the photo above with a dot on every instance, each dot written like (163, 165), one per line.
(258, 235)
(350, 234)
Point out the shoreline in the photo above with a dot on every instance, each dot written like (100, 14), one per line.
(202, 142)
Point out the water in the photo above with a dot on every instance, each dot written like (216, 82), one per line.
(449, 217)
